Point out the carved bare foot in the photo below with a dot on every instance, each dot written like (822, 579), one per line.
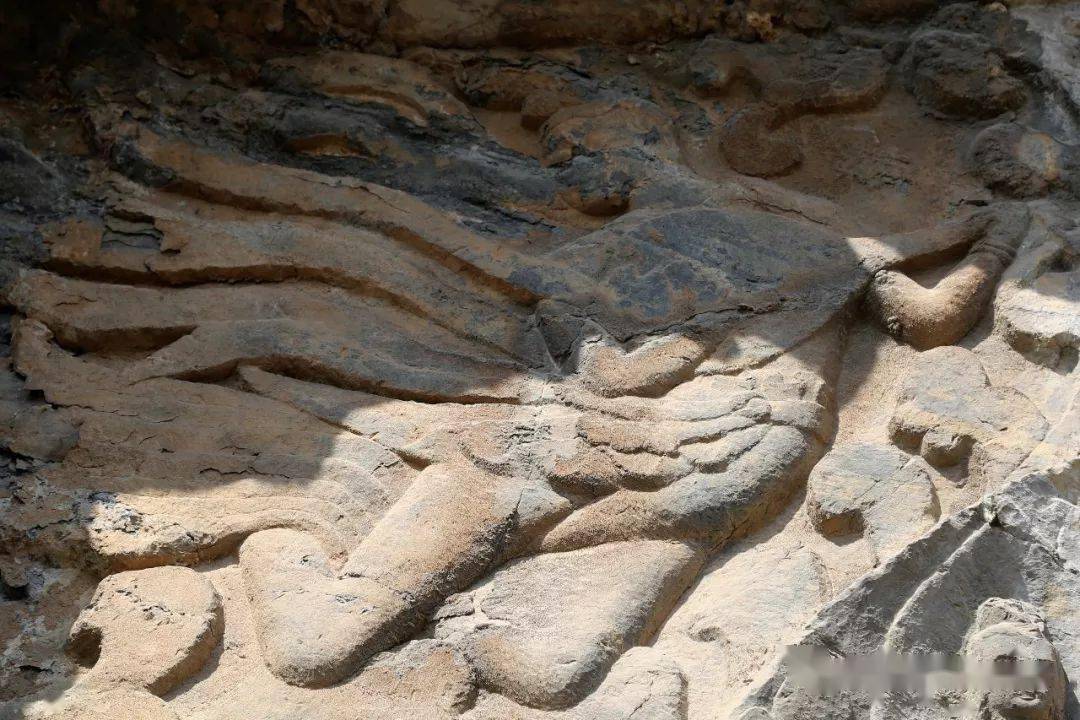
(149, 629)
(941, 315)
(144, 633)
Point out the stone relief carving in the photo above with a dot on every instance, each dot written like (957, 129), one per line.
(539, 361)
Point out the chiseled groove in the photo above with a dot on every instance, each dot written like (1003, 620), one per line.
(106, 343)
(309, 370)
(409, 460)
(104, 275)
(402, 234)
(281, 274)
(272, 274)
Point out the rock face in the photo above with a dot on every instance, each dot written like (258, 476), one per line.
(150, 628)
(878, 490)
(545, 629)
(959, 74)
(535, 360)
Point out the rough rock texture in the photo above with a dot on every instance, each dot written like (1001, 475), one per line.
(541, 360)
(874, 489)
(150, 628)
(544, 628)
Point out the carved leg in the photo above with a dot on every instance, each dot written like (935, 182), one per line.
(318, 625)
(928, 317)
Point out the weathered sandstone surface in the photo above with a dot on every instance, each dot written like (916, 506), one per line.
(553, 360)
